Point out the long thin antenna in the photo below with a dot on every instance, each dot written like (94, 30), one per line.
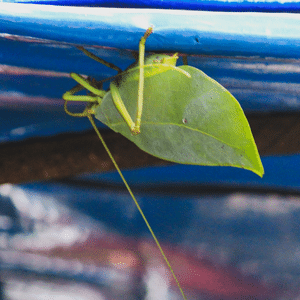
(136, 203)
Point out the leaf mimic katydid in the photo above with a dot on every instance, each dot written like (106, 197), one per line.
(181, 115)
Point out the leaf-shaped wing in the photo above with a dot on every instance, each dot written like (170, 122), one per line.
(186, 120)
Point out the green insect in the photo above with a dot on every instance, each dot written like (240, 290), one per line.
(175, 113)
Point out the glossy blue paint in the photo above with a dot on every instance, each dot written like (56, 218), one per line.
(240, 6)
(214, 33)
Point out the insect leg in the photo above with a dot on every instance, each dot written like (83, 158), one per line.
(134, 126)
(87, 84)
(69, 95)
(98, 59)
(120, 106)
(136, 129)
(185, 61)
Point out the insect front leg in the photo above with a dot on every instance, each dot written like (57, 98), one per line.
(95, 98)
(85, 83)
(69, 95)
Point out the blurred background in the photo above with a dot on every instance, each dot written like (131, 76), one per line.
(68, 227)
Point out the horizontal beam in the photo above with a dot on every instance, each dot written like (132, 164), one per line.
(72, 154)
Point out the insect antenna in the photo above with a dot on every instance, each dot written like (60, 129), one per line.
(89, 113)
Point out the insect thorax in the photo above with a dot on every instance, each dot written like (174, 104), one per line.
(161, 58)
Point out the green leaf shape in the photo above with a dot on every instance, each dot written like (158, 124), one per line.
(186, 120)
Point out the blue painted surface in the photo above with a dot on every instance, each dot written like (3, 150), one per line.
(275, 177)
(192, 32)
(240, 6)
(254, 55)
(228, 236)
(265, 78)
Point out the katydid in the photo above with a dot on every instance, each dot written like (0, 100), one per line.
(175, 113)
